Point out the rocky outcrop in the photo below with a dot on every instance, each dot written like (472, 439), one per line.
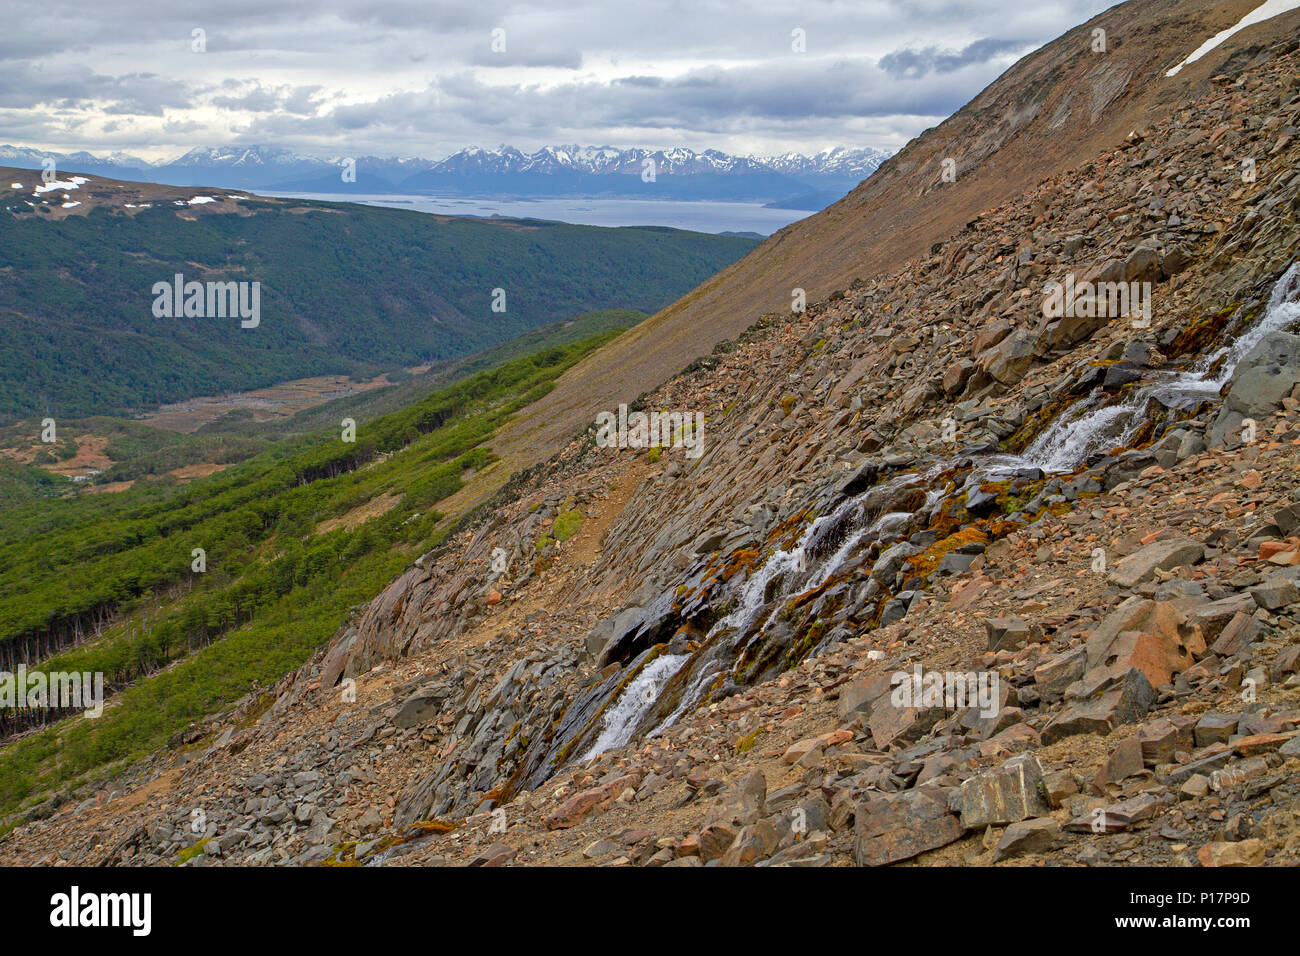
(1267, 374)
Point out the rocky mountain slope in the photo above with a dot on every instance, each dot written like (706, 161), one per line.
(646, 658)
(1054, 110)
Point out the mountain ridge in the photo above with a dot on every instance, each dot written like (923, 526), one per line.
(559, 170)
(898, 213)
(343, 287)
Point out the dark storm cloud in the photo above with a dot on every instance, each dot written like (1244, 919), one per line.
(917, 63)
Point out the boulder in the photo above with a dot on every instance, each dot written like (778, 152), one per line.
(1246, 853)
(1007, 633)
(1152, 636)
(1123, 702)
(898, 826)
(1027, 836)
(1213, 617)
(1275, 593)
(1159, 555)
(1008, 794)
(956, 376)
(1266, 375)
(1241, 630)
(1009, 360)
(860, 695)
(1054, 675)
(422, 706)
(893, 724)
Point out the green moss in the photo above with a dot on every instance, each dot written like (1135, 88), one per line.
(190, 852)
(567, 524)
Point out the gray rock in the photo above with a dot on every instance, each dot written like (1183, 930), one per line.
(1009, 360)
(1287, 519)
(421, 707)
(1027, 836)
(898, 826)
(1006, 795)
(1265, 376)
(1121, 702)
(1057, 673)
(1159, 555)
(1215, 728)
(1007, 633)
(1276, 592)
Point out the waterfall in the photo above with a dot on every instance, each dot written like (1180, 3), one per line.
(795, 561)
(1085, 427)
(620, 721)
(754, 590)
(884, 524)
(689, 697)
(1082, 430)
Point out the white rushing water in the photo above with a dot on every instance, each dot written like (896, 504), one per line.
(847, 519)
(796, 562)
(620, 721)
(1085, 428)
(882, 525)
(689, 698)
(1082, 429)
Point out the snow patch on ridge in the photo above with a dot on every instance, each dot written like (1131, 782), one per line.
(1265, 11)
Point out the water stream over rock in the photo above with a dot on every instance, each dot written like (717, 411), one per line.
(871, 534)
(1088, 427)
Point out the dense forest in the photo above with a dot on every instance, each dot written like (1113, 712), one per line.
(343, 289)
(108, 583)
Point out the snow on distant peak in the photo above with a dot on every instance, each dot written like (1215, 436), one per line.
(1265, 11)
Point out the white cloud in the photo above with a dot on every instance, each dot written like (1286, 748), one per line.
(405, 77)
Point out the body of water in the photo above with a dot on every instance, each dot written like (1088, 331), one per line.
(697, 216)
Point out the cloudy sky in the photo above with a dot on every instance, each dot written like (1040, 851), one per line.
(421, 78)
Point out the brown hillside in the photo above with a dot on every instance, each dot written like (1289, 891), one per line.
(1054, 110)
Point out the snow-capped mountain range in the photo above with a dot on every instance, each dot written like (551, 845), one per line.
(809, 182)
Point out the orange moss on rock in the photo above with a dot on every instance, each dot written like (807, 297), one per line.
(925, 562)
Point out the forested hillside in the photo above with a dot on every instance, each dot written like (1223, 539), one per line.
(343, 289)
(290, 541)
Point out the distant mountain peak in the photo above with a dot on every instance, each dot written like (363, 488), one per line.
(791, 180)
